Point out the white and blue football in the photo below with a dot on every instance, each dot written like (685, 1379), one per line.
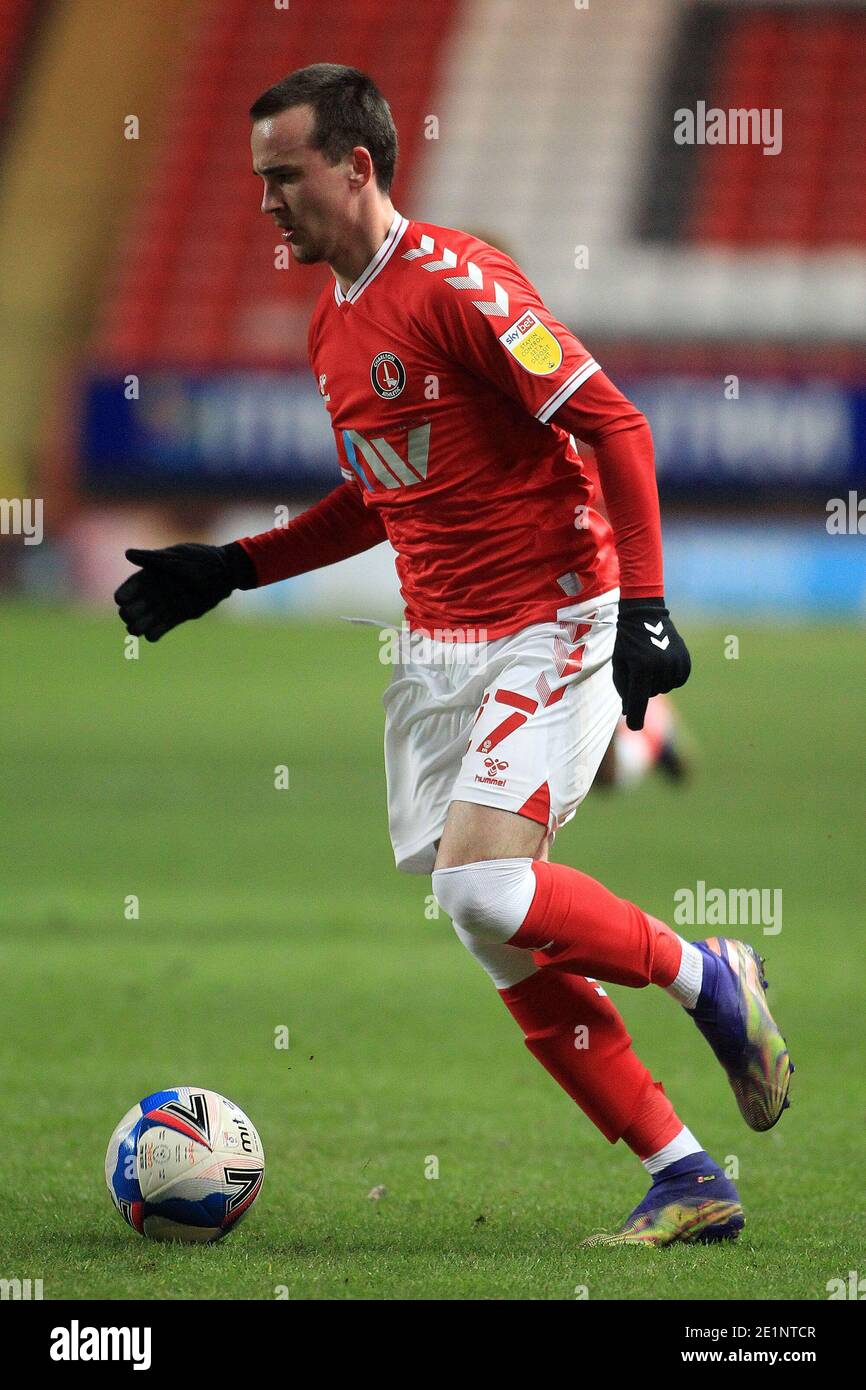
(184, 1164)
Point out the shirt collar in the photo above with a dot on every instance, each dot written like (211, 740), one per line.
(379, 261)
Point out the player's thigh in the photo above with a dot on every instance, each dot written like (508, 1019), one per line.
(536, 746)
(474, 832)
(543, 851)
(426, 728)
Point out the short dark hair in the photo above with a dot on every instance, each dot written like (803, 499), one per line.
(348, 108)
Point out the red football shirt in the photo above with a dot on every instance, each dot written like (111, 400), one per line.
(441, 369)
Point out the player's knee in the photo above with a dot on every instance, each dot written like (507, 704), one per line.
(507, 966)
(489, 899)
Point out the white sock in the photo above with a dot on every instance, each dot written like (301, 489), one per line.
(684, 1144)
(686, 988)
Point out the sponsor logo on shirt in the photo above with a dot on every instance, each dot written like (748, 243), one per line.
(383, 461)
(388, 375)
(533, 344)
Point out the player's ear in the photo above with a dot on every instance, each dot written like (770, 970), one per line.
(361, 167)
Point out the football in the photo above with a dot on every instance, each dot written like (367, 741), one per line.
(184, 1164)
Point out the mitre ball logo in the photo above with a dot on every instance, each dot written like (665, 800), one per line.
(388, 375)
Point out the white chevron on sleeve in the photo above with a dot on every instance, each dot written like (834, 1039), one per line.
(474, 280)
(448, 261)
(427, 244)
(495, 308)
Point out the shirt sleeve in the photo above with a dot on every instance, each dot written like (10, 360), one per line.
(335, 528)
(623, 446)
(490, 318)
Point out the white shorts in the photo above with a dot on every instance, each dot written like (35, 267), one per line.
(520, 723)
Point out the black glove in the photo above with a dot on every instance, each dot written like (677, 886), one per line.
(649, 656)
(180, 582)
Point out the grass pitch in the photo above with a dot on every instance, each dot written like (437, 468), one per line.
(262, 909)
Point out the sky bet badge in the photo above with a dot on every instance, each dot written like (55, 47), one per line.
(533, 345)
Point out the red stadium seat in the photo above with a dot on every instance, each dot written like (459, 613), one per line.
(810, 65)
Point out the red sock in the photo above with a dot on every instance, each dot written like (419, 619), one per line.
(654, 1123)
(588, 930)
(605, 1077)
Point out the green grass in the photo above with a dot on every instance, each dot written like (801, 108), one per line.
(261, 908)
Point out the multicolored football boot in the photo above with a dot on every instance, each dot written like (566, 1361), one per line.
(733, 1016)
(690, 1201)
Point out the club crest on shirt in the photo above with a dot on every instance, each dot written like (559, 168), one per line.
(533, 344)
(388, 375)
